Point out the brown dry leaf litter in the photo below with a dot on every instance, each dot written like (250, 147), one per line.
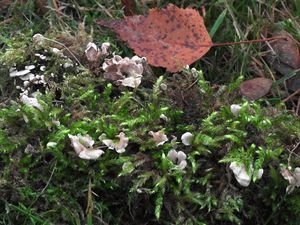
(256, 88)
(284, 57)
(171, 37)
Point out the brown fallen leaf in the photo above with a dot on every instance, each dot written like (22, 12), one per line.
(285, 58)
(171, 37)
(287, 51)
(255, 88)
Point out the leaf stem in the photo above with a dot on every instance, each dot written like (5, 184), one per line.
(243, 42)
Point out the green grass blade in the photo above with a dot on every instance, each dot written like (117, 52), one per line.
(286, 77)
(89, 219)
(218, 23)
(26, 212)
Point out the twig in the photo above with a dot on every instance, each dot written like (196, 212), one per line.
(100, 220)
(292, 95)
(59, 43)
(104, 9)
(292, 152)
(191, 85)
(298, 106)
(272, 50)
(242, 42)
(50, 178)
(87, 9)
(56, 7)
(47, 184)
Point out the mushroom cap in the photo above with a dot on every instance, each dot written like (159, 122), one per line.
(187, 138)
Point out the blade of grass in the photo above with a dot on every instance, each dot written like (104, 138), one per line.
(26, 212)
(217, 23)
(90, 206)
(286, 77)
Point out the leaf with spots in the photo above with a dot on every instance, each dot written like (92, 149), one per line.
(171, 37)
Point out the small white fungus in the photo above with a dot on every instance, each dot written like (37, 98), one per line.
(51, 144)
(38, 39)
(127, 72)
(29, 76)
(158, 137)
(292, 177)
(92, 52)
(56, 51)
(83, 146)
(163, 117)
(16, 73)
(119, 146)
(187, 138)
(30, 67)
(163, 87)
(67, 65)
(235, 109)
(133, 81)
(42, 57)
(31, 102)
(240, 173)
(260, 172)
(178, 158)
(104, 48)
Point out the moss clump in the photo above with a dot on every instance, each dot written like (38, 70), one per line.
(44, 181)
(48, 182)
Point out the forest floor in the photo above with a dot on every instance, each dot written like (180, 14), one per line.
(92, 134)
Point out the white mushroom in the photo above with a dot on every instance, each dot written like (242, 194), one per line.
(163, 117)
(260, 172)
(38, 39)
(187, 138)
(127, 72)
(119, 146)
(158, 137)
(92, 52)
(133, 81)
(51, 144)
(104, 48)
(16, 73)
(30, 67)
(43, 57)
(292, 178)
(31, 102)
(29, 76)
(240, 173)
(164, 87)
(56, 51)
(178, 158)
(67, 65)
(83, 146)
(235, 109)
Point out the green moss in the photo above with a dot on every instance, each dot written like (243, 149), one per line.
(49, 184)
